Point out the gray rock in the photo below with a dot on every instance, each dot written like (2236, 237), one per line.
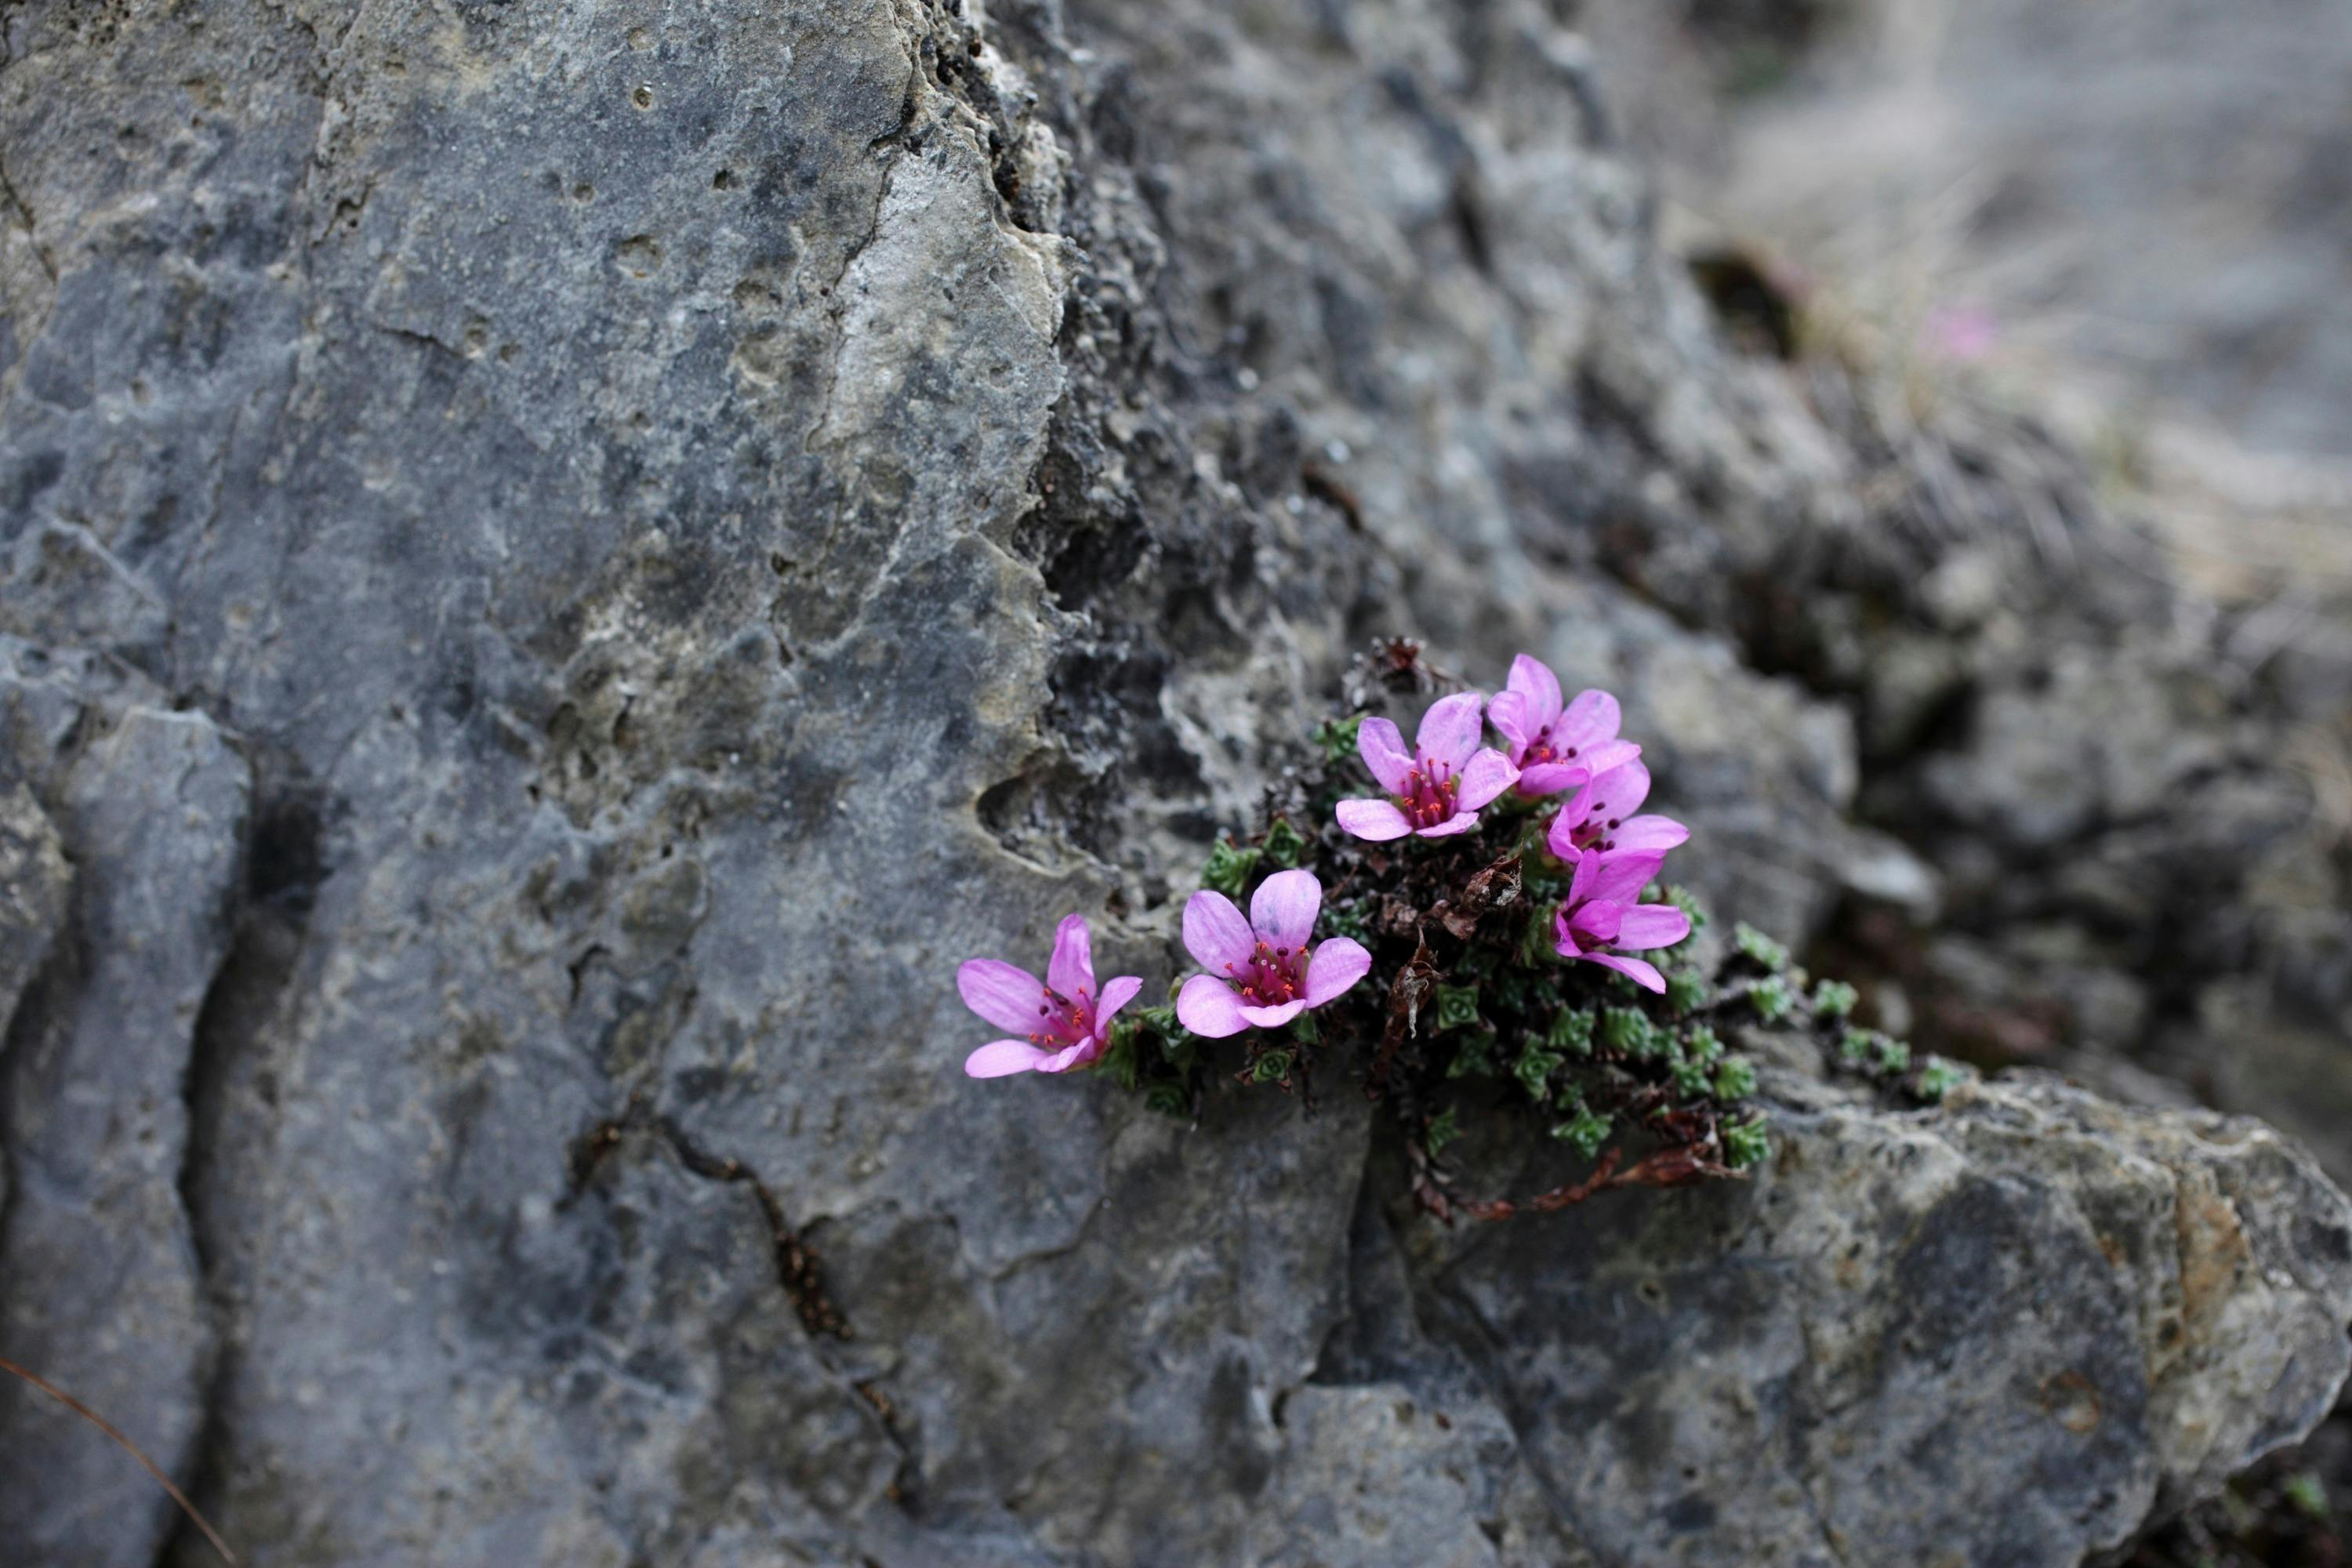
(697, 523)
(2002, 1332)
(100, 1281)
(35, 883)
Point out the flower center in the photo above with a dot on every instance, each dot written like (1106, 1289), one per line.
(1540, 751)
(1063, 1021)
(1429, 794)
(1595, 832)
(1272, 976)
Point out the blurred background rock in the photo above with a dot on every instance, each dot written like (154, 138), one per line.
(2126, 225)
(2119, 231)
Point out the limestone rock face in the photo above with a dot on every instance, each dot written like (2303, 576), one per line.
(2002, 1332)
(101, 1290)
(563, 565)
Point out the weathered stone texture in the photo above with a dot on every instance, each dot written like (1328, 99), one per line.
(563, 564)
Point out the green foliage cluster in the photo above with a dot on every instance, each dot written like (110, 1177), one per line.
(1470, 1018)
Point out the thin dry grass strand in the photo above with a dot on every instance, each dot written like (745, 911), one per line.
(104, 1425)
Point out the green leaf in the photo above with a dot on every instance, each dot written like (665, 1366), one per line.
(1703, 1045)
(1476, 1054)
(1629, 1029)
(1337, 737)
(1755, 945)
(1534, 1069)
(1282, 844)
(1735, 1079)
(1691, 1079)
(1441, 1130)
(1939, 1078)
(1571, 1032)
(1169, 1100)
(1687, 901)
(1585, 1129)
(1834, 998)
(1511, 992)
(1685, 990)
(1771, 998)
(1893, 1056)
(1118, 1061)
(1272, 1067)
(1458, 1006)
(1745, 1144)
(1228, 868)
(1854, 1045)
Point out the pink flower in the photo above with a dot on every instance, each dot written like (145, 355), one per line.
(1439, 785)
(1555, 748)
(1598, 819)
(1602, 914)
(1261, 971)
(1961, 333)
(1065, 1022)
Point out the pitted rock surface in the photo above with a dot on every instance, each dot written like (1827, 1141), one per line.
(563, 566)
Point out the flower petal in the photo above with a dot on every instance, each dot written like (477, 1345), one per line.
(1619, 877)
(1645, 975)
(1078, 1055)
(1116, 994)
(1210, 1008)
(1508, 711)
(1274, 1017)
(1334, 967)
(1533, 679)
(1072, 969)
(1374, 820)
(1564, 937)
(1008, 998)
(1591, 719)
(1450, 729)
(1618, 793)
(1489, 775)
(1460, 822)
(1596, 925)
(1381, 745)
(1214, 932)
(1002, 1058)
(1647, 926)
(1283, 910)
(1550, 778)
(1603, 755)
(1561, 839)
(1586, 870)
(1647, 833)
